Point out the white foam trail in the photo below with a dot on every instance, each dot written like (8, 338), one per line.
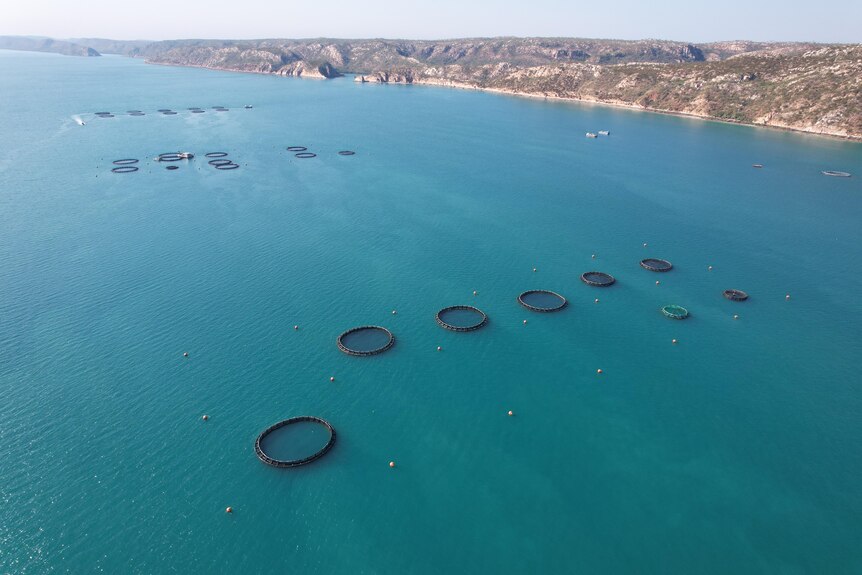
(78, 120)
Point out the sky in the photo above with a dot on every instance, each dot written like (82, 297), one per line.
(683, 20)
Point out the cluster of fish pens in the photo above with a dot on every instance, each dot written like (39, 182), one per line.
(371, 340)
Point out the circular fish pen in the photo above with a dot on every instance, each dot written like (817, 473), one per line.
(103, 113)
(125, 169)
(346, 153)
(216, 154)
(227, 167)
(164, 110)
(675, 311)
(656, 265)
(365, 340)
(198, 111)
(220, 162)
(735, 295)
(221, 110)
(169, 113)
(836, 174)
(542, 300)
(306, 155)
(169, 157)
(461, 318)
(172, 168)
(137, 114)
(598, 279)
(106, 115)
(133, 112)
(263, 456)
(125, 162)
(296, 148)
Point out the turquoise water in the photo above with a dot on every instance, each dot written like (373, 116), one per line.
(737, 450)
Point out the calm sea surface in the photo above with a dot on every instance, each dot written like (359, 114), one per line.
(737, 450)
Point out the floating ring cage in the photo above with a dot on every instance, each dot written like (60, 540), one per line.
(542, 300)
(134, 112)
(365, 340)
(306, 155)
(169, 113)
(169, 157)
(125, 162)
(106, 115)
(656, 265)
(346, 153)
(164, 110)
(220, 162)
(599, 279)
(261, 454)
(675, 311)
(137, 114)
(735, 295)
(124, 169)
(836, 174)
(449, 318)
(198, 111)
(221, 109)
(227, 167)
(296, 148)
(103, 113)
(172, 167)
(216, 154)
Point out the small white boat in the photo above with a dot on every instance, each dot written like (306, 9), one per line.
(248, 106)
(592, 135)
(604, 133)
(186, 155)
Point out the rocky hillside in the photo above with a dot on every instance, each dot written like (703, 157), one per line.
(808, 87)
(35, 44)
(818, 91)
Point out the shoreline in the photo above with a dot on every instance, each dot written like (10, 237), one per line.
(464, 86)
(626, 106)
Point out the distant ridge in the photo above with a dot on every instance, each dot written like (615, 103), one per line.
(40, 44)
(807, 87)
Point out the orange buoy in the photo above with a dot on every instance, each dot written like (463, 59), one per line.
(229, 510)
(391, 464)
(511, 413)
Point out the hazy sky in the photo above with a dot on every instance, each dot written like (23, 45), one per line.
(689, 20)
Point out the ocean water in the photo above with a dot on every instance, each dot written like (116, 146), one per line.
(736, 450)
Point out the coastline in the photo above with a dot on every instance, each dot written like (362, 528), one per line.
(636, 107)
(583, 100)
